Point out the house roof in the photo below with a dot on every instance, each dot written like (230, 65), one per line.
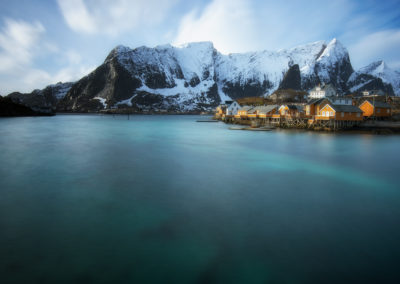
(264, 109)
(299, 108)
(232, 103)
(345, 108)
(316, 101)
(246, 108)
(379, 104)
(296, 107)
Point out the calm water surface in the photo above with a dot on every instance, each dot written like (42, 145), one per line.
(163, 199)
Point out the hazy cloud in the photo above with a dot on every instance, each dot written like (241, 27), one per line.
(240, 25)
(112, 17)
(382, 45)
(228, 24)
(21, 43)
(18, 41)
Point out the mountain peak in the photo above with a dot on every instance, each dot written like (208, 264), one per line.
(376, 67)
(380, 69)
(334, 52)
(198, 44)
(117, 51)
(164, 46)
(382, 66)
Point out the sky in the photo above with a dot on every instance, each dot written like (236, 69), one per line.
(50, 41)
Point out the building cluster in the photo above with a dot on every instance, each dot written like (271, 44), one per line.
(324, 109)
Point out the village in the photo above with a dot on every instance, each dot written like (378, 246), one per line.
(319, 109)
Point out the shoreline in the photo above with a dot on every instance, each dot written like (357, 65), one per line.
(369, 127)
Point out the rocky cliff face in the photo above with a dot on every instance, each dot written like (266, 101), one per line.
(292, 79)
(196, 77)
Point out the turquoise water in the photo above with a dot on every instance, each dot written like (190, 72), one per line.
(163, 199)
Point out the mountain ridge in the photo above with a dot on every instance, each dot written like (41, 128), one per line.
(195, 76)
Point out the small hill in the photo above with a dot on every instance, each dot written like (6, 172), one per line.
(9, 108)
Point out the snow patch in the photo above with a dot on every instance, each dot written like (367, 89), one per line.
(127, 102)
(102, 100)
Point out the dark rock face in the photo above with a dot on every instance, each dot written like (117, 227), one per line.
(310, 82)
(292, 79)
(9, 108)
(194, 81)
(156, 80)
(147, 100)
(250, 89)
(288, 95)
(109, 81)
(213, 95)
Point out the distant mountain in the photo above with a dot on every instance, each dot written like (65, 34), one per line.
(45, 100)
(9, 108)
(195, 77)
(376, 75)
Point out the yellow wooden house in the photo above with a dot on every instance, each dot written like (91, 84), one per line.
(376, 109)
(339, 112)
(262, 111)
(291, 110)
(243, 112)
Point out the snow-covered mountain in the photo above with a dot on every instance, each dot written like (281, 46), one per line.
(196, 76)
(376, 75)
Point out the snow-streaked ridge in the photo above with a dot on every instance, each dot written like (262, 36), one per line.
(192, 69)
(380, 69)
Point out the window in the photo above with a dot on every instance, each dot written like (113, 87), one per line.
(323, 113)
(342, 114)
(379, 110)
(331, 114)
(388, 111)
(358, 114)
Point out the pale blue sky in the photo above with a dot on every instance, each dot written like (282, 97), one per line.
(43, 42)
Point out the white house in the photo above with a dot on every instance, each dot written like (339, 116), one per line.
(233, 108)
(319, 92)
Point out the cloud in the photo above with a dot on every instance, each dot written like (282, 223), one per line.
(113, 17)
(240, 25)
(21, 44)
(18, 40)
(382, 45)
(228, 24)
(77, 16)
